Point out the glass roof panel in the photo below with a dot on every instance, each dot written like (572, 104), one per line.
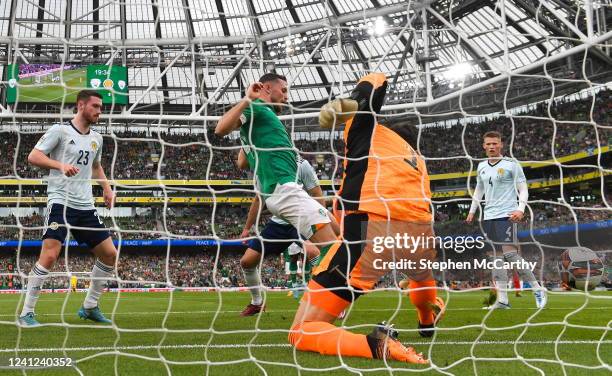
(238, 19)
(275, 20)
(141, 30)
(171, 10)
(150, 97)
(310, 12)
(138, 12)
(205, 18)
(110, 11)
(55, 8)
(179, 97)
(349, 6)
(268, 5)
(143, 76)
(180, 77)
(483, 25)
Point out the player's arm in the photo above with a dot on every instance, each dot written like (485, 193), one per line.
(251, 218)
(337, 112)
(242, 162)
(523, 193)
(97, 173)
(362, 98)
(231, 120)
(476, 197)
(39, 156)
(39, 159)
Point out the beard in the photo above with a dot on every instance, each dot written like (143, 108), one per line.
(92, 119)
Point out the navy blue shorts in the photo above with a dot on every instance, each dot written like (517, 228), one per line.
(276, 238)
(60, 215)
(500, 231)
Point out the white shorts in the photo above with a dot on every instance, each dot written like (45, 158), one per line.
(294, 249)
(292, 204)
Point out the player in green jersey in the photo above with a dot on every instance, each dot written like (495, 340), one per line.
(271, 155)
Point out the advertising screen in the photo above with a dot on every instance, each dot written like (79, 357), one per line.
(42, 83)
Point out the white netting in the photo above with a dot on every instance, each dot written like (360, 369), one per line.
(538, 73)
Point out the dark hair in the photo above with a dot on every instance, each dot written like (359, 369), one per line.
(492, 134)
(272, 77)
(84, 95)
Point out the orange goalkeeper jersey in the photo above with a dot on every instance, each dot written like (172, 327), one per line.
(383, 174)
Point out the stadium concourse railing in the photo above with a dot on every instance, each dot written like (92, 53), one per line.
(144, 200)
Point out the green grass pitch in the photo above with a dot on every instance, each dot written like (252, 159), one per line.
(163, 333)
(75, 80)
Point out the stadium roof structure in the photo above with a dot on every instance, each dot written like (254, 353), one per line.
(197, 56)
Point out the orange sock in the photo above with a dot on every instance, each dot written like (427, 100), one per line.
(328, 339)
(423, 299)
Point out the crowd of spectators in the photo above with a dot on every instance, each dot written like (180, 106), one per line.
(538, 134)
(146, 268)
(534, 135)
(27, 69)
(196, 268)
(228, 220)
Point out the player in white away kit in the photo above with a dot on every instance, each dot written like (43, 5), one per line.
(72, 153)
(499, 179)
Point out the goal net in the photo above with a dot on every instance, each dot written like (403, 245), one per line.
(538, 73)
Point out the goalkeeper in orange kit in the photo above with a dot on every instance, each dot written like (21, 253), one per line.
(385, 193)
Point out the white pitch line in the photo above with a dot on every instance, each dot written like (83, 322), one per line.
(293, 310)
(286, 345)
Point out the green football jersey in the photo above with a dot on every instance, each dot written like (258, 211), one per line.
(224, 272)
(262, 130)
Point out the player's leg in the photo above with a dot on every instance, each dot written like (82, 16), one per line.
(51, 248)
(92, 232)
(422, 288)
(312, 254)
(312, 330)
(293, 270)
(295, 250)
(511, 254)
(429, 307)
(249, 263)
(54, 235)
(307, 270)
(516, 284)
(499, 275)
(329, 293)
(274, 239)
(323, 238)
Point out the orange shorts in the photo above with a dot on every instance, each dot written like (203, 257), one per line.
(370, 248)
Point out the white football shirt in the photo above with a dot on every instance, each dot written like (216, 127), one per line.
(499, 181)
(66, 144)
